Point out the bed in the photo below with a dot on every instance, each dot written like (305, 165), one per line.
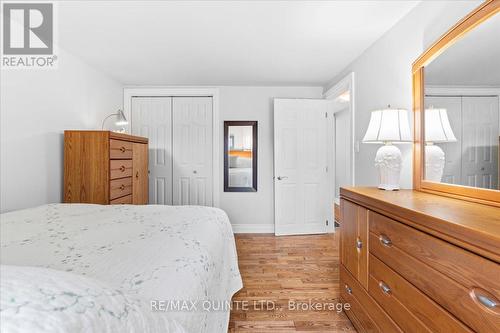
(151, 254)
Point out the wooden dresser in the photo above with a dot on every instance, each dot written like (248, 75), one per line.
(418, 262)
(104, 167)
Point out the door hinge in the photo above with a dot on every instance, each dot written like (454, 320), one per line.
(326, 114)
(327, 222)
(326, 169)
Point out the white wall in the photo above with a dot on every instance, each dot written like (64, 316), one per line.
(36, 107)
(254, 211)
(383, 75)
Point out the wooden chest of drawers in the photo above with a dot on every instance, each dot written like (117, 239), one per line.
(416, 262)
(104, 167)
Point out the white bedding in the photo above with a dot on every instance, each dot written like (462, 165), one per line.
(38, 299)
(149, 252)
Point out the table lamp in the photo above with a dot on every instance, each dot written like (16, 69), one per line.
(386, 127)
(437, 130)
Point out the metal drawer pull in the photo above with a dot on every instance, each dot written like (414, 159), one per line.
(385, 288)
(122, 149)
(348, 289)
(486, 301)
(386, 241)
(122, 187)
(359, 243)
(122, 168)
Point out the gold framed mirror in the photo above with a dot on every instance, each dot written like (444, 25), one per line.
(456, 104)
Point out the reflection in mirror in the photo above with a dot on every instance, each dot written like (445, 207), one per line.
(240, 156)
(461, 119)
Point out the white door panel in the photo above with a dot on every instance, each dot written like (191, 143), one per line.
(152, 118)
(480, 142)
(301, 183)
(192, 151)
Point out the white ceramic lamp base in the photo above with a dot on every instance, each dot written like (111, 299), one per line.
(434, 163)
(388, 162)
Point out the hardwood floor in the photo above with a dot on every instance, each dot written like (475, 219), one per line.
(288, 268)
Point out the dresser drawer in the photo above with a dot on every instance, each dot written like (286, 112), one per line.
(119, 149)
(412, 310)
(120, 187)
(353, 293)
(126, 200)
(455, 278)
(120, 169)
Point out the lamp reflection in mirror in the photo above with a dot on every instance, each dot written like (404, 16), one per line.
(386, 127)
(437, 130)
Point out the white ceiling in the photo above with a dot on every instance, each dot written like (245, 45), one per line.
(472, 61)
(224, 42)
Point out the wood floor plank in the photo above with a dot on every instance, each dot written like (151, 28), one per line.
(301, 269)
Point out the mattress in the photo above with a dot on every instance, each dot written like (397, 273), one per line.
(158, 254)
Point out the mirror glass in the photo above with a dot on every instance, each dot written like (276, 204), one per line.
(240, 156)
(461, 119)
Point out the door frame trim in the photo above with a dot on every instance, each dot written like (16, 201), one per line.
(346, 83)
(180, 91)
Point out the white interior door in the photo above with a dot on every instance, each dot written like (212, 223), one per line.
(300, 166)
(192, 151)
(480, 141)
(152, 118)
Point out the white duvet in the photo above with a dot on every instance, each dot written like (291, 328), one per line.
(38, 299)
(151, 253)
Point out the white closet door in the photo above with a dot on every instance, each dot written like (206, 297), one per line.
(453, 150)
(152, 118)
(480, 142)
(192, 151)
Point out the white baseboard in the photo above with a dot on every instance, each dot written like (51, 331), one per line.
(253, 228)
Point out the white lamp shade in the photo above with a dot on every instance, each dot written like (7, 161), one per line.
(120, 119)
(389, 125)
(437, 126)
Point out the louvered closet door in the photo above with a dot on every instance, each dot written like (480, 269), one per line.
(192, 150)
(480, 141)
(152, 118)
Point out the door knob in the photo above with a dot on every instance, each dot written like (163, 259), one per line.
(282, 177)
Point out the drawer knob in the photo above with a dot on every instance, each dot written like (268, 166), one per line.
(386, 241)
(122, 187)
(348, 289)
(122, 168)
(385, 288)
(486, 301)
(122, 149)
(359, 244)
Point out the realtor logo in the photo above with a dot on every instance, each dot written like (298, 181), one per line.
(28, 35)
